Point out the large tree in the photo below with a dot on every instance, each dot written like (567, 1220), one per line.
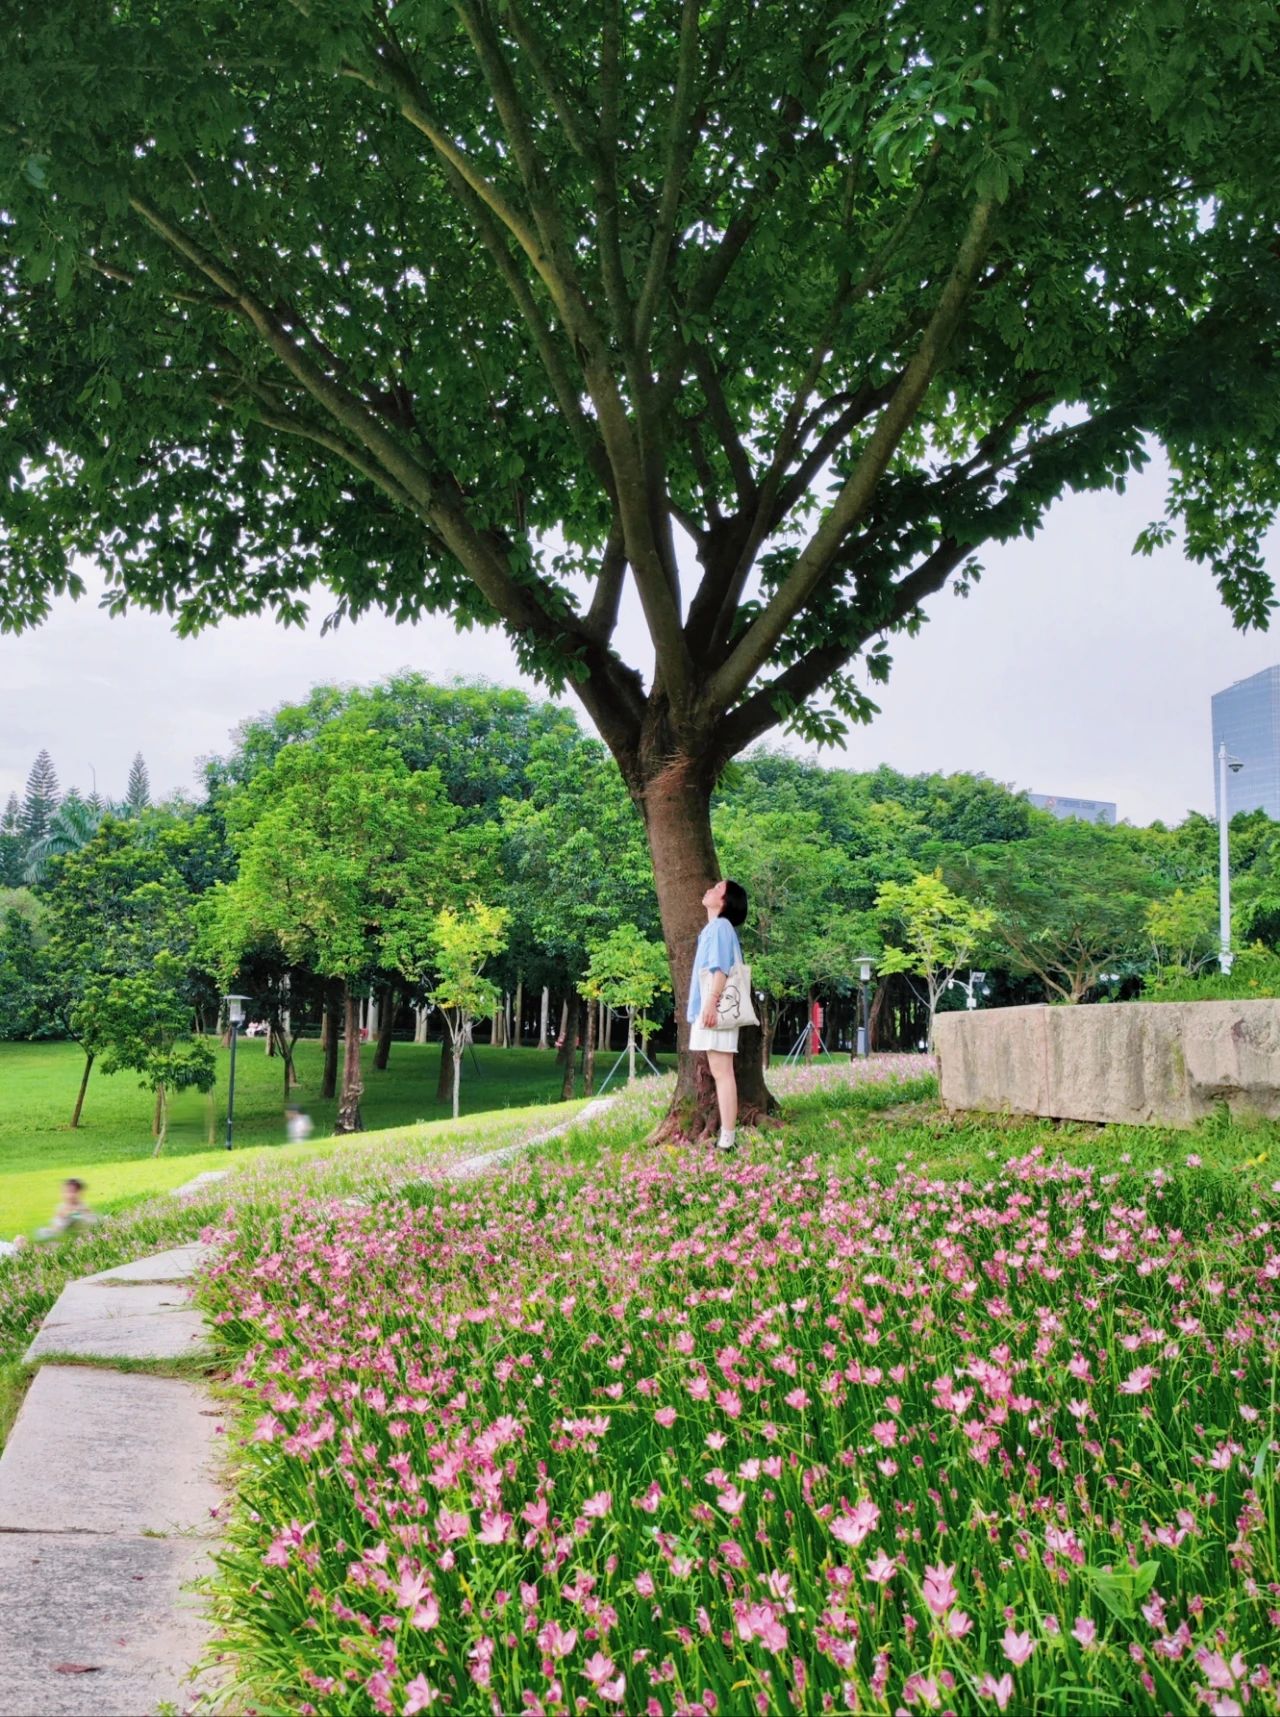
(769, 313)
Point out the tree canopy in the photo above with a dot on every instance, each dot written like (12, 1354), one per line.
(481, 308)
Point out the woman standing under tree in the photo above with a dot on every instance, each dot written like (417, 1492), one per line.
(717, 953)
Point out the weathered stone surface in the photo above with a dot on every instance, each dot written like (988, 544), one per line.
(104, 1320)
(176, 1265)
(209, 1178)
(1170, 1063)
(98, 1627)
(110, 1452)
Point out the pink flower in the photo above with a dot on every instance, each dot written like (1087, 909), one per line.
(1001, 1691)
(852, 1528)
(881, 1568)
(939, 1593)
(731, 1499)
(557, 1641)
(1139, 1380)
(644, 1584)
(495, 1526)
(957, 1624)
(452, 1524)
(1217, 1671)
(798, 1398)
(921, 1690)
(598, 1668)
(1017, 1647)
(885, 1433)
(760, 1621)
(1085, 1631)
(666, 1417)
(418, 1695)
(597, 1506)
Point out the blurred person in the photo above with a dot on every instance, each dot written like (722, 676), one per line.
(71, 1216)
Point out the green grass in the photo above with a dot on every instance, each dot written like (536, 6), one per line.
(135, 1222)
(111, 1150)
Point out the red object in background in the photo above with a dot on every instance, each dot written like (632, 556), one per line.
(815, 1027)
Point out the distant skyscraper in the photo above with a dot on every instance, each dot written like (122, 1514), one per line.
(1087, 810)
(1247, 717)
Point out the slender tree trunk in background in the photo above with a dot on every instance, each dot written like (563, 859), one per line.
(160, 1124)
(570, 1049)
(457, 1047)
(542, 1017)
(386, 1022)
(444, 1074)
(631, 1045)
(495, 1027)
(84, 1086)
(349, 1118)
(518, 1033)
(564, 1025)
(589, 1054)
(676, 804)
(329, 1039)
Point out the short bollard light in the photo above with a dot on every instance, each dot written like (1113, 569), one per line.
(235, 1016)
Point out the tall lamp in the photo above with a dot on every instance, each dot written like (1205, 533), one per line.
(235, 1016)
(866, 965)
(1225, 957)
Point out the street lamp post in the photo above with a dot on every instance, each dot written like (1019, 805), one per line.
(1225, 762)
(235, 1014)
(976, 981)
(866, 965)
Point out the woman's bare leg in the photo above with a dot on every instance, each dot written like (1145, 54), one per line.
(722, 1072)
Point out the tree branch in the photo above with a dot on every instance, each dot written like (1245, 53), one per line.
(602, 616)
(680, 142)
(765, 633)
(758, 713)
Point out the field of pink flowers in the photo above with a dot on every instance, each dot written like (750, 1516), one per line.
(670, 1433)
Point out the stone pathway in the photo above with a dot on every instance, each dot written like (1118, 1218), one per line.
(108, 1499)
(107, 1504)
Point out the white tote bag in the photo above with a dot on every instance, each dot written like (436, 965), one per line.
(735, 1007)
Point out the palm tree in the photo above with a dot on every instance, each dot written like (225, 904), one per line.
(72, 826)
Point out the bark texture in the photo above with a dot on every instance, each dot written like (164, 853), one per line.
(329, 1040)
(84, 1086)
(386, 1021)
(349, 1118)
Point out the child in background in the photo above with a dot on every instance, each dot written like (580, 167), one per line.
(298, 1125)
(72, 1214)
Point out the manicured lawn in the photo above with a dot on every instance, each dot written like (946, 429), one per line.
(111, 1150)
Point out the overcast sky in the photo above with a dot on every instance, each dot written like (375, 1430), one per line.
(1074, 668)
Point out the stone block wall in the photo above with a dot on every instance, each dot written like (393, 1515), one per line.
(1168, 1063)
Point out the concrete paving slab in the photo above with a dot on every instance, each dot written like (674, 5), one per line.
(97, 1320)
(97, 1626)
(97, 1451)
(209, 1178)
(175, 1265)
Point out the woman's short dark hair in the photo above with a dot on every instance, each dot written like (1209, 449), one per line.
(735, 903)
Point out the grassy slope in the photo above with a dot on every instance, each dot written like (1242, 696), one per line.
(39, 1082)
(138, 1225)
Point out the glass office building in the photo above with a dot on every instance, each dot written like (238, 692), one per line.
(1087, 810)
(1247, 717)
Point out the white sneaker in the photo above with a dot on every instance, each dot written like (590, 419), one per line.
(726, 1141)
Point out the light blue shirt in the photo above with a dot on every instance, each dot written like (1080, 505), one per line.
(718, 951)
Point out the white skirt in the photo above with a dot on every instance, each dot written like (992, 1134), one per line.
(702, 1038)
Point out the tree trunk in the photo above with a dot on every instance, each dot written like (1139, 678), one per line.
(84, 1086)
(562, 1053)
(386, 1020)
(458, 1048)
(542, 1017)
(329, 1040)
(570, 1049)
(589, 1054)
(518, 1018)
(444, 1077)
(160, 1124)
(349, 1118)
(631, 1045)
(676, 804)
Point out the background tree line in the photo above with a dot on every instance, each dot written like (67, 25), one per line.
(401, 859)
